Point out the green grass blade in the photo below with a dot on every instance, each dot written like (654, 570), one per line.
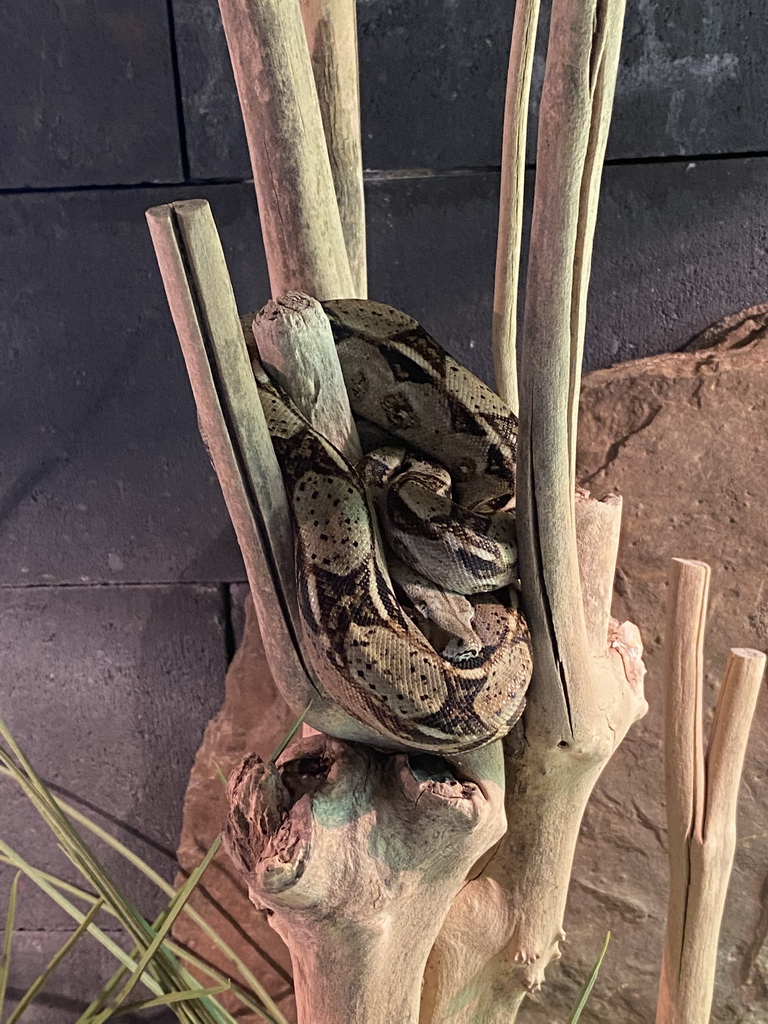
(54, 962)
(5, 957)
(164, 968)
(589, 984)
(247, 975)
(174, 909)
(168, 1000)
(179, 951)
(220, 773)
(173, 983)
(74, 912)
(290, 734)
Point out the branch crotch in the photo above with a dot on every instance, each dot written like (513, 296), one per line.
(357, 856)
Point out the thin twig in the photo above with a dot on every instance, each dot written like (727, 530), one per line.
(509, 244)
(300, 220)
(331, 28)
(200, 296)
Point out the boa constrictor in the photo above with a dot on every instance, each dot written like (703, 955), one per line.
(431, 684)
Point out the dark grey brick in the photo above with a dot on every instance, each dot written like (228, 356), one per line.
(431, 251)
(107, 690)
(678, 246)
(74, 983)
(433, 79)
(103, 476)
(88, 94)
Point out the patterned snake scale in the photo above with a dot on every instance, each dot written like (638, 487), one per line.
(364, 646)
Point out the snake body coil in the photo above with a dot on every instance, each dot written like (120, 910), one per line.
(412, 682)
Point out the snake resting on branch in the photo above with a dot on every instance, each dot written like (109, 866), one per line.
(406, 563)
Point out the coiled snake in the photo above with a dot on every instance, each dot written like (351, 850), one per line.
(386, 628)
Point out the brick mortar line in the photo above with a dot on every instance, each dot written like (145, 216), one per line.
(209, 584)
(383, 174)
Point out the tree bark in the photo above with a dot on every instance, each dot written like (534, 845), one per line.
(357, 856)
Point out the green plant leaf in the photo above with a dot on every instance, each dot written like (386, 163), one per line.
(172, 912)
(168, 1000)
(268, 1010)
(69, 908)
(54, 962)
(163, 968)
(5, 956)
(589, 984)
(165, 974)
(246, 998)
(290, 734)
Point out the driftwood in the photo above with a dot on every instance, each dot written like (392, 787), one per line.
(357, 855)
(381, 869)
(300, 220)
(506, 924)
(702, 792)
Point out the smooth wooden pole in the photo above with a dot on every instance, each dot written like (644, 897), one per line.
(331, 28)
(300, 221)
(510, 236)
(702, 795)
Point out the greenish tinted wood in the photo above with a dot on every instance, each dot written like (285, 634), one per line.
(510, 237)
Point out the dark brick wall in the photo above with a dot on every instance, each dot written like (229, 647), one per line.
(116, 552)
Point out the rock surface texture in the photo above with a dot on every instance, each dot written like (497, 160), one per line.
(684, 438)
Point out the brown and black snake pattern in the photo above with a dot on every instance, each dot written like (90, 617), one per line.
(366, 650)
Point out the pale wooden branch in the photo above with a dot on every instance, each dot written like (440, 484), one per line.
(331, 28)
(357, 855)
(683, 731)
(202, 304)
(509, 242)
(299, 214)
(603, 66)
(702, 795)
(295, 345)
(598, 525)
(570, 134)
(506, 923)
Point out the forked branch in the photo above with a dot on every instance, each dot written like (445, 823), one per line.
(702, 794)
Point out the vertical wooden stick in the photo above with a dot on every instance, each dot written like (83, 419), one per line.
(299, 214)
(331, 28)
(203, 307)
(683, 749)
(509, 244)
(603, 70)
(702, 797)
(572, 125)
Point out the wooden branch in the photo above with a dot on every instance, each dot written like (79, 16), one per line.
(505, 926)
(598, 524)
(568, 147)
(587, 689)
(295, 345)
(357, 855)
(202, 304)
(683, 735)
(299, 214)
(603, 68)
(510, 236)
(232, 424)
(702, 795)
(331, 29)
